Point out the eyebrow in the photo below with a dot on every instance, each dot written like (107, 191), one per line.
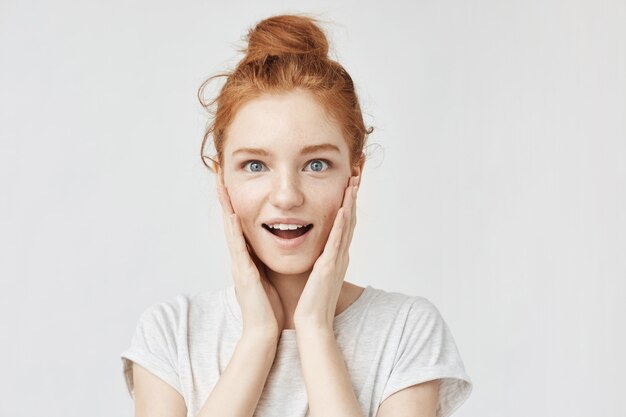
(304, 151)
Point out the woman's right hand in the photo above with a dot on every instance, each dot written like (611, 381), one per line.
(258, 299)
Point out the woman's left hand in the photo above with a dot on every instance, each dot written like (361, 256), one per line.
(318, 301)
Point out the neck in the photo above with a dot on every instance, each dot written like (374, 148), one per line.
(289, 288)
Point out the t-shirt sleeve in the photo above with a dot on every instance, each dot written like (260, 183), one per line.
(154, 346)
(427, 351)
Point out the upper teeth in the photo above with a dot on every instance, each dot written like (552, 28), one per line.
(282, 226)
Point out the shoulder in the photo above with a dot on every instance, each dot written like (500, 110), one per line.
(405, 318)
(403, 305)
(166, 311)
(422, 308)
(181, 305)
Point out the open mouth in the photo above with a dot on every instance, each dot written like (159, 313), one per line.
(288, 234)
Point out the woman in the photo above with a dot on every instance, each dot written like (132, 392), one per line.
(291, 337)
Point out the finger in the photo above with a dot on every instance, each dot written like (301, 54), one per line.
(224, 198)
(345, 192)
(353, 216)
(357, 184)
(333, 244)
(229, 221)
(239, 242)
(349, 206)
(334, 239)
(227, 213)
(234, 265)
(226, 216)
(239, 253)
(228, 231)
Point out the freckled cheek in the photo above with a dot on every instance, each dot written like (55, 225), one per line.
(244, 202)
(330, 202)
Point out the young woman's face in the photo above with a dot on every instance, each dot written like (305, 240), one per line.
(281, 179)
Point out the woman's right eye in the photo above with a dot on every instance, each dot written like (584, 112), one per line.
(254, 165)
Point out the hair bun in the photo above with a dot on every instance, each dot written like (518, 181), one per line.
(286, 35)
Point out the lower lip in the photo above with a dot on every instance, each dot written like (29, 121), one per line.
(289, 243)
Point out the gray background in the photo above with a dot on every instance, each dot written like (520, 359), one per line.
(496, 186)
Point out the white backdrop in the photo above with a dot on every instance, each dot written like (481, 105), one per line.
(496, 188)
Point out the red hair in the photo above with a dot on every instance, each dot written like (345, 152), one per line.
(286, 52)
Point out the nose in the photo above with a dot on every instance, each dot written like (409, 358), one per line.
(286, 192)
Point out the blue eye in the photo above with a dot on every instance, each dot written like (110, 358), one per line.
(254, 163)
(318, 163)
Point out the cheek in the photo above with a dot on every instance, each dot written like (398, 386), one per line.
(238, 199)
(331, 200)
(244, 204)
(243, 197)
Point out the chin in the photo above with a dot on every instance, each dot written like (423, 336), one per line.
(287, 266)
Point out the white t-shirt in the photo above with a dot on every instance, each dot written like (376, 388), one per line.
(389, 341)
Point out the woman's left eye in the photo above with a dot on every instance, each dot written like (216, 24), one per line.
(318, 163)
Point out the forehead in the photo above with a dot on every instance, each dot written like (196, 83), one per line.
(283, 122)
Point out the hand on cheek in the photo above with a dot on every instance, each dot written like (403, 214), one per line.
(261, 307)
(318, 301)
